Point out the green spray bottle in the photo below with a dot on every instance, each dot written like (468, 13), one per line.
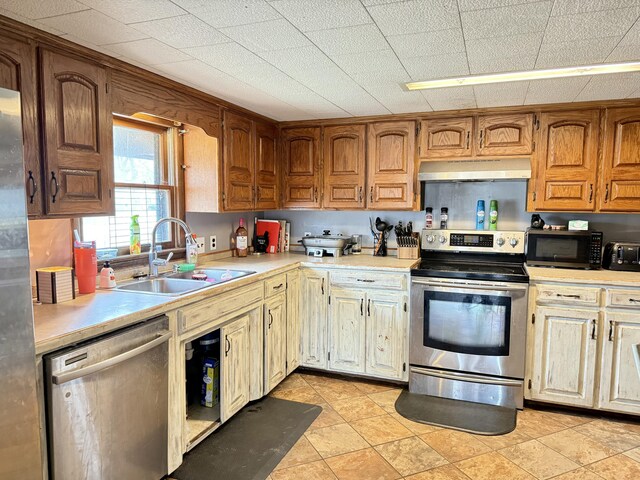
(134, 236)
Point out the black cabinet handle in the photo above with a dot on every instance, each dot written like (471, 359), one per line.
(360, 195)
(481, 138)
(54, 182)
(611, 323)
(34, 187)
(362, 306)
(606, 193)
(371, 195)
(369, 307)
(227, 346)
(567, 296)
(322, 286)
(315, 193)
(593, 330)
(468, 136)
(270, 318)
(278, 287)
(590, 192)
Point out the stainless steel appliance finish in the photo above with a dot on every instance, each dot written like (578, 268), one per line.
(623, 256)
(327, 244)
(473, 241)
(20, 448)
(154, 261)
(564, 248)
(476, 170)
(107, 405)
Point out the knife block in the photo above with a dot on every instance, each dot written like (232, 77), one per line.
(409, 253)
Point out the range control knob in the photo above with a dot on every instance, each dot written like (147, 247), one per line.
(500, 241)
(443, 239)
(513, 242)
(431, 238)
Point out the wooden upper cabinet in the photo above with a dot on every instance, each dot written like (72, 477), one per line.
(566, 161)
(238, 162)
(620, 179)
(78, 136)
(302, 176)
(17, 72)
(266, 193)
(344, 166)
(510, 134)
(445, 137)
(391, 164)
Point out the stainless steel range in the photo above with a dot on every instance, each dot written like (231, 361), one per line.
(468, 320)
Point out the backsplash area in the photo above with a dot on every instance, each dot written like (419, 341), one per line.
(50, 244)
(222, 225)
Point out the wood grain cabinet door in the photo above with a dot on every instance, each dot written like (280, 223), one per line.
(17, 72)
(238, 162)
(302, 176)
(275, 342)
(391, 165)
(504, 134)
(78, 136)
(344, 164)
(566, 161)
(266, 168)
(620, 180)
(445, 137)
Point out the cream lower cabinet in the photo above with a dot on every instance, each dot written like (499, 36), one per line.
(347, 337)
(387, 335)
(234, 367)
(275, 341)
(313, 312)
(293, 321)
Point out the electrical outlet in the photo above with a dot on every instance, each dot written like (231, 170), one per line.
(212, 243)
(200, 244)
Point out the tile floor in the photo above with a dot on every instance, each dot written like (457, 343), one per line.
(359, 436)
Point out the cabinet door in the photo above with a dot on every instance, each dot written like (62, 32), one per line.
(445, 137)
(266, 193)
(202, 172)
(235, 367)
(347, 332)
(567, 160)
(386, 333)
(505, 134)
(314, 318)
(620, 373)
(78, 136)
(302, 176)
(237, 161)
(391, 163)
(17, 72)
(293, 321)
(620, 179)
(564, 355)
(275, 341)
(344, 160)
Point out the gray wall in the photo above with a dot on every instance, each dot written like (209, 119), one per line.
(222, 225)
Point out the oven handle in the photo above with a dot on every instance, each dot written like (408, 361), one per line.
(475, 286)
(465, 377)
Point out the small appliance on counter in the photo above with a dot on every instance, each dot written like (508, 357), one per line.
(327, 245)
(564, 248)
(623, 256)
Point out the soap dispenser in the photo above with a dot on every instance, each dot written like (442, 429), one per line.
(107, 276)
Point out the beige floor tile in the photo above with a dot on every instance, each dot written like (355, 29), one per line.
(374, 387)
(634, 454)
(410, 455)
(327, 418)
(416, 427)
(362, 465)
(382, 429)
(447, 472)
(538, 459)
(570, 419)
(294, 380)
(300, 394)
(317, 471)
(336, 440)
(577, 447)
(630, 426)
(619, 467)
(387, 399)
(536, 424)
(302, 452)
(579, 474)
(492, 466)
(613, 435)
(357, 408)
(496, 442)
(454, 445)
(334, 392)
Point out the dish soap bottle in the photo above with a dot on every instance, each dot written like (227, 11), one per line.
(107, 276)
(134, 236)
(242, 240)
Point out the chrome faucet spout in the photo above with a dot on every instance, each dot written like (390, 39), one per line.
(154, 261)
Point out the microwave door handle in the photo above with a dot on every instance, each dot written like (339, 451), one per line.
(474, 286)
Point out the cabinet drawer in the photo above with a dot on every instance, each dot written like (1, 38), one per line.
(623, 298)
(275, 285)
(216, 309)
(568, 295)
(369, 280)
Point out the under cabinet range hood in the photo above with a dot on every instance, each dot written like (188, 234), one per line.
(476, 170)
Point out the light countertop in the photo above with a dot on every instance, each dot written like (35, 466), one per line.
(595, 277)
(63, 324)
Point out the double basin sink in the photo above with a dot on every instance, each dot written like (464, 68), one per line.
(181, 283)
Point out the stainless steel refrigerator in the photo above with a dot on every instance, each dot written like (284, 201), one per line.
(20, 454)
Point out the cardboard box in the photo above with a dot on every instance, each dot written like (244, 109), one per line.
(210, 382)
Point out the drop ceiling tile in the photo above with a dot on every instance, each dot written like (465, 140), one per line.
(398, 100)
(500, 94)
(322, 14)
(451, 98)
(368, 3)
(436, 66)
(265, 36)
(355, 39)
(479, 65)
(382, 64)
(415, 16)
(608, 87)
(571, 7)
(35, 9)
(467, 5)
(227, 13)
(27, 21)
(609, 23)
(506, 21)
(555, 90)
(148, 51)
(230, 58)
(127, 11)
(427, 43)
(526, 44)
(182, 32)
(94, 27)
(625, 53)
(632, 37)
(579, 52)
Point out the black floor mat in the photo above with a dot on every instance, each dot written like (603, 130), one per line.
(469, 417)
(251, 444)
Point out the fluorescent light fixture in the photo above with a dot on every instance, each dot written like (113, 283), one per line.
(526, 75)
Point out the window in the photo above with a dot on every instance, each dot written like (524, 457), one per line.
(144, 186)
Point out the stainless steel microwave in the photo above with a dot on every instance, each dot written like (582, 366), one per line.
(563, 248)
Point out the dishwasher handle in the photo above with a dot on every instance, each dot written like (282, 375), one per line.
(59, 379)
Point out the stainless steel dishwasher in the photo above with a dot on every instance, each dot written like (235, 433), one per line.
(107, 406)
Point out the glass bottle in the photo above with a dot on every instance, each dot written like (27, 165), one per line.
(428, 218)
(444, 218)
(242, 240)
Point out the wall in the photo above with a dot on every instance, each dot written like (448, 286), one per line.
(222, 225)
(50, 244)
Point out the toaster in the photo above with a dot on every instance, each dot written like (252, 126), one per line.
(622, 256)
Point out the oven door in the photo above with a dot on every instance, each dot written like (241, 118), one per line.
(469, 326)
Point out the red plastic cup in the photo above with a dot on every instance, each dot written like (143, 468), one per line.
(86, 264)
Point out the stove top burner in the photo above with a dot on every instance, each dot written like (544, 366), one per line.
(471, 269)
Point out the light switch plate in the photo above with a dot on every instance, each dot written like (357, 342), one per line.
(200, 244)
(212, 243)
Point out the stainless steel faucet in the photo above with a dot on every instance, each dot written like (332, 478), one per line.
(154, 261)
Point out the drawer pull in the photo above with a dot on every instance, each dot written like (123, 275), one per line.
(278, 287)
(611, 324)
(593, 329)
(567, 296)
(634, 300)
(366, 280)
